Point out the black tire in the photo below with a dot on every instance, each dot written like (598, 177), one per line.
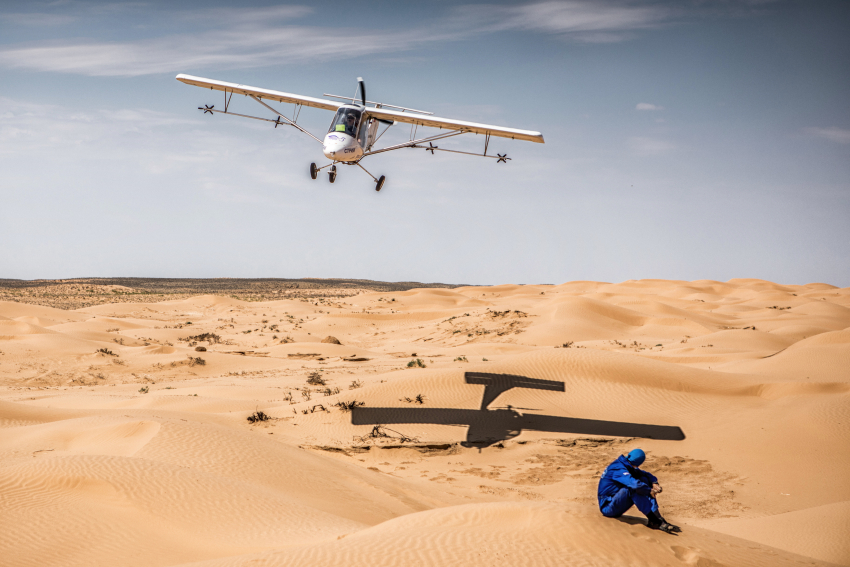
(332, 176)
(314, 171)
(380, 182)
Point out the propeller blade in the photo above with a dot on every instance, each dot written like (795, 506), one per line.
(362, 90)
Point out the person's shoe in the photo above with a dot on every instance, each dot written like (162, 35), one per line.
(668, 528)
(656, 522)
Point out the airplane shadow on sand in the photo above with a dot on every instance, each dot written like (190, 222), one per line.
(487, 426)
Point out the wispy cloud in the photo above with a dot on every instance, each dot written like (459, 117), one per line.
(254, 37)
(246, 46)
(36, 20)
(833, 134)
(643, 146)
(648, 106)
(26, 127)
(580, 20)
(242, 16)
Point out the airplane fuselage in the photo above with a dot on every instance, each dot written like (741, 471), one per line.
(340, 146)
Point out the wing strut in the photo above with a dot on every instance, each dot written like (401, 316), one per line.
(277, 121)
(500, 158)
(412, 143)
(288, 121)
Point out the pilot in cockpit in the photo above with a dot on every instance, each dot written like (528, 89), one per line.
(351, 124)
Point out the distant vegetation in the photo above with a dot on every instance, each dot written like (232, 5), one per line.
(212, 338)
(84, 292)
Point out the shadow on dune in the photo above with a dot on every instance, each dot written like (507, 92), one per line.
(487, 426)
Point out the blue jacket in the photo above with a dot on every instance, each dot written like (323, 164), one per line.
(621, 473)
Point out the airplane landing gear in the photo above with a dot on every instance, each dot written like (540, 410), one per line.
(332, 174)
(378, 182)
(314, 171)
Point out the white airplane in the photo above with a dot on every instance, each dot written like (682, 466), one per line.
(354, 130)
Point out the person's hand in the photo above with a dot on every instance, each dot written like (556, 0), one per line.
(656, 489)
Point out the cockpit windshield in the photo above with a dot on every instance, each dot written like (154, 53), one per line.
(346, 120)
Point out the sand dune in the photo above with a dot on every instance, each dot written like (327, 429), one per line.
(819, 532)
(482, 418)
(520, 534)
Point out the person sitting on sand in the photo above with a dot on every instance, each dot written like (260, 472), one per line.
(623, 484)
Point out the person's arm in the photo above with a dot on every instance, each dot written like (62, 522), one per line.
(650, 479)
(624, 478)
(646, 477)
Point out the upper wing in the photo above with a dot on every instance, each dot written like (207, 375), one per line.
(448, 123)
(257, 92)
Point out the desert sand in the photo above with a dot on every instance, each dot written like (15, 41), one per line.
(463, 426)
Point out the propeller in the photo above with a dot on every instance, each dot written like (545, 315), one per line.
(432, 148)
(362, 90)
(502, 158)
(207, 109)
(277, 122)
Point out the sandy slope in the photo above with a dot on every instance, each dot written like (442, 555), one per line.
(510, 533)
(120, 443)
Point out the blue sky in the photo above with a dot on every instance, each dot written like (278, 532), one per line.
(684, 140)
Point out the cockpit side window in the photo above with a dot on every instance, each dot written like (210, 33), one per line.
(364, 131)
(346, 120)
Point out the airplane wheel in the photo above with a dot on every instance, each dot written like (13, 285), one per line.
(380, 183)
(332, 174)
(314, 171)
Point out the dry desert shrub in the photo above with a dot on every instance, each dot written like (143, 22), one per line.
(348, 406)
(258, 416)
(416, 363)
(381, 432)
(315, 379)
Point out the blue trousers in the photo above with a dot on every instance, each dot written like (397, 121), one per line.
(617, 505)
